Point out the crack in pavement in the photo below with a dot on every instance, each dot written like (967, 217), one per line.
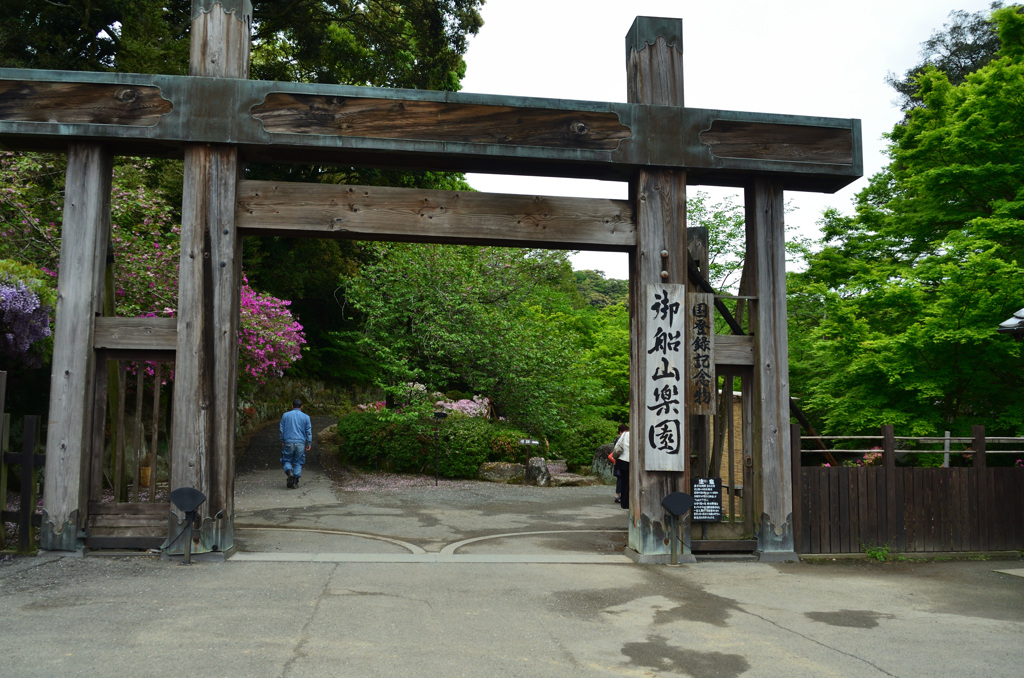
(299, 651)
(816, 642)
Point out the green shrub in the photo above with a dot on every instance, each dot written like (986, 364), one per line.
(504, 445)
(464, 445)
(355, 438)
(404, 442)
(390, 441)
(578, 443)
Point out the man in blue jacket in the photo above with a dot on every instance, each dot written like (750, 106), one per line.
(296, 440)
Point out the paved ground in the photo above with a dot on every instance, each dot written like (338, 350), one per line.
(443, 595)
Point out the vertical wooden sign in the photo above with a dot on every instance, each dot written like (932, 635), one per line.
(701, 386)
(665, 390)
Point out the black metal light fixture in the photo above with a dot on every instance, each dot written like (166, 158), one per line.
(677, 504)
(187, 500)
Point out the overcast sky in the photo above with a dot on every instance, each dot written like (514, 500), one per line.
(797, 57)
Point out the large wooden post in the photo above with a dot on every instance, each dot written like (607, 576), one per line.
(766, 255)
(655, 76)
(207, 350)
(83, 251)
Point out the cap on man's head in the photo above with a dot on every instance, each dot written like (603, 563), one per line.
(297, 402)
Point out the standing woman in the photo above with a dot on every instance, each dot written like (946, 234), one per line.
(621, 455)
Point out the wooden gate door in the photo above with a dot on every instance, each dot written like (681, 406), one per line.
(129, 475)
(731, 464)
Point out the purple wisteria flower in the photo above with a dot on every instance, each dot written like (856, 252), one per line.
(23, 322)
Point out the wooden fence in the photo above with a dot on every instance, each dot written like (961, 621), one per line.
(29, 461)
(843, 509)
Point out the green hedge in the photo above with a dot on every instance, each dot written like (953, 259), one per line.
(405, 443)
(578, 443)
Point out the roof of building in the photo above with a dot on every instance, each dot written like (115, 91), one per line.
(1013, 325)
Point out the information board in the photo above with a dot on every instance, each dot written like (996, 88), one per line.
(707, 500)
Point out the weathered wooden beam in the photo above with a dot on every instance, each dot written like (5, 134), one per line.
(767, 141)
(79, 295)
(419, 215)
(733, 349)
(82, 103)
(309, 123)
(383, 118)
(654, 76)
(158, 334)
(698, 252)
(206, 360)
(774, 484)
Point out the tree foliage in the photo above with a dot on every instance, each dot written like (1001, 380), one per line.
(390, 43)
(494, 321)
(414, 44)
(966, 43)
(386, 43)
(895, 318)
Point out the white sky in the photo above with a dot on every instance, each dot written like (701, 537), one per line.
(797, 57)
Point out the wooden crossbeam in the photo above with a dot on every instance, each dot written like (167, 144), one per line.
(156, 334)
(336, 124)
(420, 215)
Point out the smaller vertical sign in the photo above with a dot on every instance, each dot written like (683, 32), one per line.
(701, 385)
(664, 386)
(707, 500)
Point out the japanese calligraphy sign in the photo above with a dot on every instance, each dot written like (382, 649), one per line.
(701, 386)
(665, 386)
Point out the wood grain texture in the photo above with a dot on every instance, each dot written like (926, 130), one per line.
(787, 143)
(937, 509)
(654, 76)
(307, 123)
(206, 358)
(99, 419)
(136, 333)
(191, 438)
(420, 215)
(220, 42)
(766, 250)
(225, 286)
(701, 436)
(77, 102)
(202, 451)
(733, 349)
(79, 296)
(292, 113)
(747, 442)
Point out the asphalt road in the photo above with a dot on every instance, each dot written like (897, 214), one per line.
(369, 575)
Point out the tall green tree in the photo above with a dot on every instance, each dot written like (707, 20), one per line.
(965, 44)
(896, 315)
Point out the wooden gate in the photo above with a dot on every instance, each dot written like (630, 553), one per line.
(130, 462)
(653, 141)
(731, 460)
